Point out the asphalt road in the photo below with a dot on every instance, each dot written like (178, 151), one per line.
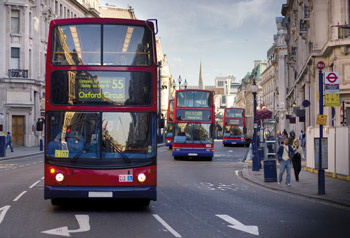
(195, 199)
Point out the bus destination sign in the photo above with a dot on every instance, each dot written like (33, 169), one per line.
(101, 89)
(234, 121)
(193, 115)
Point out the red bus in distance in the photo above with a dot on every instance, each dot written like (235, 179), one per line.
(194, 124)
(101, 110)
(234, 126)
(169, 125)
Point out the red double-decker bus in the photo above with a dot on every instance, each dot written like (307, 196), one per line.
(169, 124)
(101, 110)
(234, 126)
(194, 124)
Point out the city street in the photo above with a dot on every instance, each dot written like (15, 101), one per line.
(195, 199)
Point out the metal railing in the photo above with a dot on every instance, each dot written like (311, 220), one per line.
(18, 73)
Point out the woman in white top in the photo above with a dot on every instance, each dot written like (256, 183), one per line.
(296, 159)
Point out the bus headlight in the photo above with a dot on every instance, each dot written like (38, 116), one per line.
(59, 177)
(141, 177)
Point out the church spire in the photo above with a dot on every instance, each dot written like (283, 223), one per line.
(200, 84)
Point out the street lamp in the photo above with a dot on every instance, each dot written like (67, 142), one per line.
(256, 162)
(174, 84)
(179, 79)
(185, 84)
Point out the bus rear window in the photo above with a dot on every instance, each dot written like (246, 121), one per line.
(101, 88)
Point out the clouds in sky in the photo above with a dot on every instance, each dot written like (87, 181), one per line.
(226, 35)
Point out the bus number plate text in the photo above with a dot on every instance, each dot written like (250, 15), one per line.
(61, 153)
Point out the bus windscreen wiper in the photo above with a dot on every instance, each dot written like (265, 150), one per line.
(126, 159)
(76, 157)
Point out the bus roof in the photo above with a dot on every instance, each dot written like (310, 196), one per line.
(69, 21)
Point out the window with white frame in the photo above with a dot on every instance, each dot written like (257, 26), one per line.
(14, 21)
(14, 58)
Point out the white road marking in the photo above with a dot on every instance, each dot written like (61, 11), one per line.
(235, 224)
(169, 228)
(3, 211)
(83, 221)
(34, 184)
(19, 196)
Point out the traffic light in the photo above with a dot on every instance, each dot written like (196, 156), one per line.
(40, 124)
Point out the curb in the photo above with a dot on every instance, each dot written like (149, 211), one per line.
(246, 177)
(21, 156)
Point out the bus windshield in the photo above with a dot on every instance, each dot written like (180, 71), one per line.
(233, 131)
(193, 99)
(169, 129)
(123, 45)
(197, 133)
(101, 88)
(79, 135)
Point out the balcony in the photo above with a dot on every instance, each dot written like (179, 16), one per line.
(343, 31)
(18, 73)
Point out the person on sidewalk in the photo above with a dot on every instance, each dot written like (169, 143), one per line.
(9, 141)
(284, 154)
(296, 159)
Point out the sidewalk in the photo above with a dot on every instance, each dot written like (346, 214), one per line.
(337, 191)
(22, 151)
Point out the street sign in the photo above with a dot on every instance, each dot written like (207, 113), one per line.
(331, 82)
(320, 65)
(321, 119)
(331, 78)
(332, 100)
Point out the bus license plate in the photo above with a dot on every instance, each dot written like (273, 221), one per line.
(233, 142)
(100, 194)
(192, 154)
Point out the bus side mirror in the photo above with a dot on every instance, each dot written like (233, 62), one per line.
(39, 125)
(161, 123)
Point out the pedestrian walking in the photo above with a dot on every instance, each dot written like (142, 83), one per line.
(284, 135)
(284, 154)
(301, 138)
(296, 159)
(9, 141)
(279, 136)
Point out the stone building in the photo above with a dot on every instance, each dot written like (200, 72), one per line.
(268, 82)
(318, 30)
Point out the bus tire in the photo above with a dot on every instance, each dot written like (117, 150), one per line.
(56, 202)
(144, 202)
(209, 158)
(176, 157)
(170, 147)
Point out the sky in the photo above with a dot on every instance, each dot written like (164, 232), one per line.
(226, 36)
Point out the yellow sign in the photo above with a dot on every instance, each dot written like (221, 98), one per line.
(321, 120)
(332, 100)
(61, 153)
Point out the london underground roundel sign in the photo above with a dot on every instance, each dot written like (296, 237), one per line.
(320, 65)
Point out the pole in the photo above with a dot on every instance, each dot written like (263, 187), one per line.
(159, 103)
(256, 159)
(321, 182)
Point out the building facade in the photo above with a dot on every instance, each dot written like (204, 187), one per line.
(319, 30)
